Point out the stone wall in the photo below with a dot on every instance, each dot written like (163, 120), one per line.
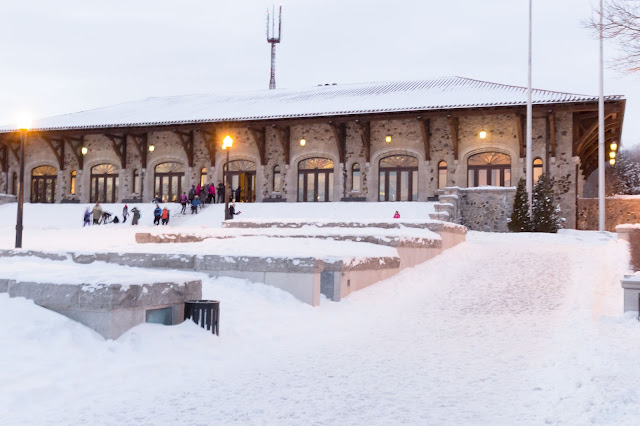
(618, 211)
(479, 209)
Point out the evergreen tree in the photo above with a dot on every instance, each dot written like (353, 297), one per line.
(520, 220)
(546, 215)
(624, 177)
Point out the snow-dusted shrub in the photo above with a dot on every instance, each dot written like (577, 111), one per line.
(520, 220)
(544, 211)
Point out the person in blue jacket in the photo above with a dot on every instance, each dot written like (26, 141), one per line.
(157, 213)
(195, 204)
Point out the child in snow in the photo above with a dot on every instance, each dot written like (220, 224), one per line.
(194, 205)
(165, 216)
(232, 211)
(397, 215)
(87, 217)
(157, 213)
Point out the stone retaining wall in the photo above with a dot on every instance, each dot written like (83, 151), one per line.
(7, 198)
(479, 209)
(617, 210)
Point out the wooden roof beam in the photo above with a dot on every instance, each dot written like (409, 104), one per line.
(454, 124)
(425, 131)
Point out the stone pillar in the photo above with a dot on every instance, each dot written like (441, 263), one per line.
(631, 286)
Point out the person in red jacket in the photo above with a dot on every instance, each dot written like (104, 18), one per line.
(397, 215)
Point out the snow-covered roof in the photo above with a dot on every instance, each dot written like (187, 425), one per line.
(323, 100)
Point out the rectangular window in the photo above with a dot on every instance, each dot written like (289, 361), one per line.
(276, 182)
(482, 177)
(393, 186)
(507, 177)
(495, 177)
(442, 178)
(301, 187)
(414, 188)
(471, 182)
(356, 181)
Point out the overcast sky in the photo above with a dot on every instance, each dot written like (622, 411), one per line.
(68, 55)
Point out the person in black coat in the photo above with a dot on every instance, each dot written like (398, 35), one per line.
(220, 192)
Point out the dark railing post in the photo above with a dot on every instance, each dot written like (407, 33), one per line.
(206, 313)
(227, 185)
(23, 134)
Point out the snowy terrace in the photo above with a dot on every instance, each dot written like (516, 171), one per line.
(503, 329)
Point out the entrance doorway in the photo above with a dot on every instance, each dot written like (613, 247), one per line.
(168, 181)
(243, 180)
(315, 180)
(43, 184)
(104, 183)
(398, 178)
(489, 168)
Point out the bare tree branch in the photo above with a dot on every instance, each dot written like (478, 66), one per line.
(621, 23)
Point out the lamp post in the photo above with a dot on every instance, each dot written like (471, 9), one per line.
(227, 143)
(23, 126)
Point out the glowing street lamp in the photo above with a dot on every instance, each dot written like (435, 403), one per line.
(612, 161)
(227, 143)
(24, 124)
(613, 146)
(612, 154)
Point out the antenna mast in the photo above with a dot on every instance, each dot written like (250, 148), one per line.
(273, 40)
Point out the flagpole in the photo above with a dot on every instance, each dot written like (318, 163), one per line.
(601, 165)
(528, 166)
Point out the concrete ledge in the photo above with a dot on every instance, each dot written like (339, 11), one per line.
(109, 309)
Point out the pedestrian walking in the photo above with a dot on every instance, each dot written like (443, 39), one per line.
(125, 213)
(97, 213)
(192, 193)
(183, 201)
(157, 213)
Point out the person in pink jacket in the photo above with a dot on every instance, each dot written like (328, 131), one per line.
(397, 215)
(183, 201)
(212, 194)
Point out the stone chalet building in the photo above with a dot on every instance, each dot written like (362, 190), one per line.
(388, 141)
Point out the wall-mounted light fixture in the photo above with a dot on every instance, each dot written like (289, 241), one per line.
(152, 148)
(612, 161)
(613, 146)
(303, 141)
(612, 154)
(387, 139)
(483, 135)
(84, 150)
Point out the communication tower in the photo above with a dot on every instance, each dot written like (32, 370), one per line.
(273, 40)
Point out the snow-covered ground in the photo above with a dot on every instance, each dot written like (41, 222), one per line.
(59, 228)
(501, 330)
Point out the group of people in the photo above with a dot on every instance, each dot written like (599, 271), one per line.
(99, 216)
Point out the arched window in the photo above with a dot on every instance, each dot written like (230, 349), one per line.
(276, 179)
(72, 186)
(398, 178)
(489, 168)
(14, 184)
(168, 180)
(104, 183)
(243, 180)
(136, 181)
(203, 176)
(442, 174)
(537, 169)
(315, 179)
(355, 177)
(43, 184)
